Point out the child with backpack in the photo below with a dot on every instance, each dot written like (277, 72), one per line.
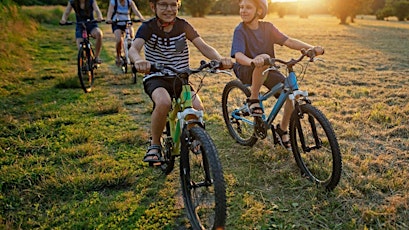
(120, 10)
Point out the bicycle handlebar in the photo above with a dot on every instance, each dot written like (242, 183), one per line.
(213, 66)
(127, 21)
(304, 53)
(81, 22)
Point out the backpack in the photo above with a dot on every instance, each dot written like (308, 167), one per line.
(116, 8)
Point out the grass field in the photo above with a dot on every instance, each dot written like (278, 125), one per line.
(71, 160)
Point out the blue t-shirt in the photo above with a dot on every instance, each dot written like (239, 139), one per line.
(122, 12)
(256, 42)
(168, 48)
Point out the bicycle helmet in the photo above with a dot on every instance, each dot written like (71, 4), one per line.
(264, 6)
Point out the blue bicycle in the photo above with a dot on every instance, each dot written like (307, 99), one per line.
(313, 140)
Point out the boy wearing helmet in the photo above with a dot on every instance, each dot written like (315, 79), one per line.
(164, 39)
(253, 41)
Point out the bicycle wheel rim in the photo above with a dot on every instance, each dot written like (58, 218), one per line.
(85, 69)
(320, 159)
(205, 205)
(236, 117)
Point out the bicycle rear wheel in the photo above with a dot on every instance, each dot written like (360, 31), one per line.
(315, 146)
(85, 69)
(167, 146)
(235, 113)
(202, 180)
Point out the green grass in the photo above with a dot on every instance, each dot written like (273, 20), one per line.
(71, 160)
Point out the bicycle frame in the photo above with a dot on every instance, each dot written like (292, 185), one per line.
(287, 90)
(182, 115)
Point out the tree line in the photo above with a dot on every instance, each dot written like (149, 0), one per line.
(343, 9)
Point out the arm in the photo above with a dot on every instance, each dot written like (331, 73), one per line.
(136, 11)
(211, 53)
(66, 13)
(140, 63)
(299, 45)
(97, 11)
(110, 12)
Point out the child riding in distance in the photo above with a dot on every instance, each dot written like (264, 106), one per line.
(84, 10)
(164, 39)
(253, 42)
(122, 13)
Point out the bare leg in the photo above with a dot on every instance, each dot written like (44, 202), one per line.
(119, 44)
(162, 102)
(97, 34)
(288, 109)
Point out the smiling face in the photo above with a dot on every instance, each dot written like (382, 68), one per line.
(166, 10)
(248, 9)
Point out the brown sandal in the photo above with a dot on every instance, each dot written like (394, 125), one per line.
(280, 134)
(255, 108)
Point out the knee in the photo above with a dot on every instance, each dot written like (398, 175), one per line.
(163, 105)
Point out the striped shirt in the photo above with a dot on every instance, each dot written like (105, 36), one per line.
(168, 48)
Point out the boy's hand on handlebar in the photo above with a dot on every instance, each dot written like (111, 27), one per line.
(109, 21)
(319, 50)
(227, 63)
(143, 66)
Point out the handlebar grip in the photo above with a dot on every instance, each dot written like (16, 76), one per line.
(267, 61)
(66, 23)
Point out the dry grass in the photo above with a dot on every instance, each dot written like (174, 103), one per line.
(77, 157)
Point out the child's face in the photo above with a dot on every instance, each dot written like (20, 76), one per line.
(248, 9)
(166, 10)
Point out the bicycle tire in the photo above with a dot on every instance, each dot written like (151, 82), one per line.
(167, 146)
(234, 98)
(134, 76)
(321, 160)
(85, 69)
(202, 180)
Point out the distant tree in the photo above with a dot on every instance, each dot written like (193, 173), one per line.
(377, 5)
(348, 8)
(198, 8)
(225, 7)
(401, 9)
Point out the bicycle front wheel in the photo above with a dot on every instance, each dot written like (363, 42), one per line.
(85, 69)
(315, 146)
(235, 113)
(202, 181)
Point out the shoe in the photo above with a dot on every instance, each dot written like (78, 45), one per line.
(118, 62)
(98, 60)
(280, 134)
(254, 107)
(153, 155)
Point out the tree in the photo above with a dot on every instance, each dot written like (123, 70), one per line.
(198, 8)
(225, 7)
(345, 8)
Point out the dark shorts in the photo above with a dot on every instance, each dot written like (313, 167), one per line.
(78, 29)
(116, 27)
(244, 73)
(172, 85)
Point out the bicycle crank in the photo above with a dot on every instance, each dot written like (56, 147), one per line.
(260, 128)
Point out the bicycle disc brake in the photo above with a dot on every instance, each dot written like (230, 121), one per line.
(260, 128)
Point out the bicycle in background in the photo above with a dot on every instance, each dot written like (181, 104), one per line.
(313, 140)
(86, 63)
(201, 173)
(127, 42)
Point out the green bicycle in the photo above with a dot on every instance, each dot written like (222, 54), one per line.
(201, 173)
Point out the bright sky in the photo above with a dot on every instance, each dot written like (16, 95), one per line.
(283, 0)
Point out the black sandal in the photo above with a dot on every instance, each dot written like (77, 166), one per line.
(281, 133)
(254, 105)
(150, 156)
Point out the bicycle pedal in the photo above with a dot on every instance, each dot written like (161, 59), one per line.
(260, 128)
